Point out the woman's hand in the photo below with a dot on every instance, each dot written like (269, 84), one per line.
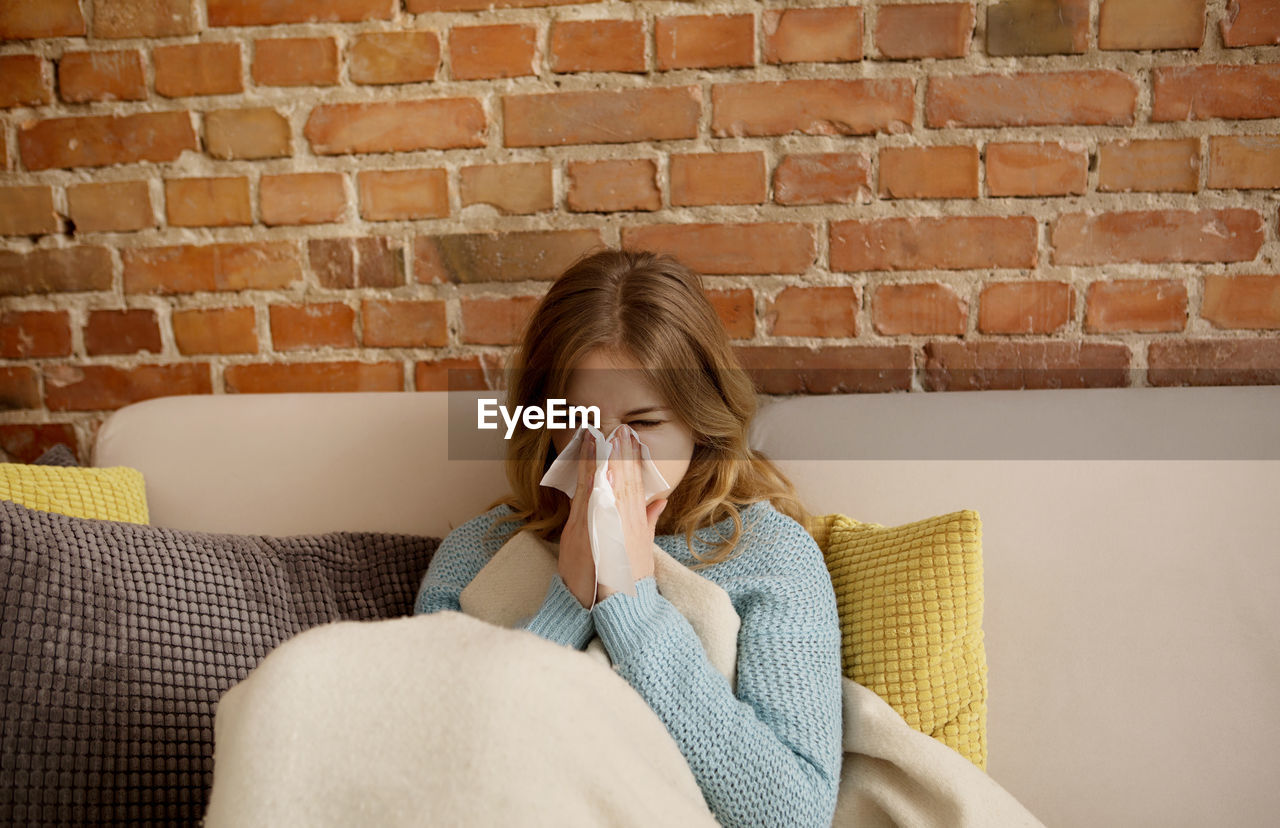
(576, 566)
(638, 521)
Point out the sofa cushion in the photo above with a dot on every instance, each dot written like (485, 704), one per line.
(117, 639)
(909, 600)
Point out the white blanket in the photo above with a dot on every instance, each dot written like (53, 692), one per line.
(447, 719)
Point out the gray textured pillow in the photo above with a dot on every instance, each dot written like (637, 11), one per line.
(58, 455)
(116, 640)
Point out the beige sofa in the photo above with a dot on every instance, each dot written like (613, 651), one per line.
(1131, 561)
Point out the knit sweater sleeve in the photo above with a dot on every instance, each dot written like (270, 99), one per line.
(464, 552)
(770, 755)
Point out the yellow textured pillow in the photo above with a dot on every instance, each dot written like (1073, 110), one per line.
(910, 604)
(114, 493)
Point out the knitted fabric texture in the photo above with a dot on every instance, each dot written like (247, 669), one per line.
(910, 605)
(115, 493)
(771, 755)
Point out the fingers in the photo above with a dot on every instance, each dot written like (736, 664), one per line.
(586, 469)
(624, 475)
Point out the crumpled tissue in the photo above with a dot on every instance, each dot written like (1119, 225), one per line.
(604, 522)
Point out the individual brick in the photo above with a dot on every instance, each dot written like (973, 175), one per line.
(106, 140)
(129, 331)
(724, 249)
(1160, 165)
(938, 243)
(396, 126)
(737, 311)
(1157, 236)
(818, 35)
(247, 134)
(55, 270)
(111, 206)
(1249, 301)
(27, 210)
(425, 6)
(486, 52)
(1012, 365)
(101, 76)
(495, 321)
(823, 178)
(1135, 305)
(258, 13)
(295, 61)
(19, 387)
(601, 116)
(394, 195)
(929, 172)
(798, 369)
(1151, 24)
(924, 30)
(454, 373)
(813, 107)
(313, 325)
(705, 41)
(1250, 23)
(207, 202)
(25, 442)
(512, 188)
(215, 331)
(50, 18)
(210, 267)
(300, 377)
(106, 387)
(1244, 162)
(1036, 169)
(1087, 97)
(1182, 93)
(350, 263)
(23, 81)
(27, 334)
(1215, 361)
(1025, 307)
(197, 69)
(302, 198)
(466, 258)
(404, 324)
(813, 311)
(143, 18)
(717, 178)
(1037, 27)
(613, 186)
(393, 57)
(918, 308)
(597, 46)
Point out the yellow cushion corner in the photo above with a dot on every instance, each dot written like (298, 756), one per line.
(114, 493)
(909, 600)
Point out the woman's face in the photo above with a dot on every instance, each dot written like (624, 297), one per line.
(613, 383)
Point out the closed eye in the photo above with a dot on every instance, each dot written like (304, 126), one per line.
(646, 423)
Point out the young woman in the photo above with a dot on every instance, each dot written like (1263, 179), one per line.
(634, 334)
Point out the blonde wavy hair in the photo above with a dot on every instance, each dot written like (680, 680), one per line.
(654, 310)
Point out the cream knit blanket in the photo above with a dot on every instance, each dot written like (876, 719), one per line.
(487, 725)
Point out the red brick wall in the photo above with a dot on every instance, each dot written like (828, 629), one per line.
(223, 196)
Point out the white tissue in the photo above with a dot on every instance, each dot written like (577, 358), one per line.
(604, 522)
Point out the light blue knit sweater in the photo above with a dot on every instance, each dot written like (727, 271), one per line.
(772, 754)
